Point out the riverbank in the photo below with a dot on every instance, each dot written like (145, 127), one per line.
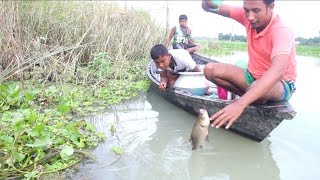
(63, 61)
(223, 48)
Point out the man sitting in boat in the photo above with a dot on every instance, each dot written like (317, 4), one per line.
(271, 70)
(171, 62)
(182, 36)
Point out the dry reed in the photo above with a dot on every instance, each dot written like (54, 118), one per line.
(56, 40)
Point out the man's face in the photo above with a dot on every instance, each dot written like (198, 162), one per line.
(258, 13)
(183, 23)
(163, 61)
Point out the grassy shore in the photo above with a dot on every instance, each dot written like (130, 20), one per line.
(222, 48)
(61, 61)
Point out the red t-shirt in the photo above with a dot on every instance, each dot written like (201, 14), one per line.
(275, 39)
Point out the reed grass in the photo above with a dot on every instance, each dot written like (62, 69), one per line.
(56, 40)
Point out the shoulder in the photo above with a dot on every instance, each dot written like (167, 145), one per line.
(280, 29)
(278, 23)
(178, 52)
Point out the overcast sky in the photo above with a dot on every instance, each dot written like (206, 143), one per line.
(301, 16)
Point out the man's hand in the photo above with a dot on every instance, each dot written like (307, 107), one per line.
(162, 86)
(228, 114)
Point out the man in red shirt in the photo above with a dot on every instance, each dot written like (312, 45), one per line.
(271, 70)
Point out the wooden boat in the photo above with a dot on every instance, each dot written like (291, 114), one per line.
(256, 122)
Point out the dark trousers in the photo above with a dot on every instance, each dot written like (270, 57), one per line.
(183, 46)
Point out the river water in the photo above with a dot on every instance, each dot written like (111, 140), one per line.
(154, 135)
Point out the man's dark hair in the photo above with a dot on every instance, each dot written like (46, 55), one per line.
(268, 2)
(157, 51)
(183, 17)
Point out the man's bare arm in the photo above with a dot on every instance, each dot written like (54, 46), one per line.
(170, 36)
(216, 7)
(196, 69)
(163, 77)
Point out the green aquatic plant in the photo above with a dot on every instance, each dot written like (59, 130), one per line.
(34, 141)
(12, 96)
(117, 150)
(69, 59)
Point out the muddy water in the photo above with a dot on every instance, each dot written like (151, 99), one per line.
(154, 135)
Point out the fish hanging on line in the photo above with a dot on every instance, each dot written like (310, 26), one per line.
(200, 130)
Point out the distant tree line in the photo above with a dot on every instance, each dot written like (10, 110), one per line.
(232, 37)
(301, 40)
(309, 41)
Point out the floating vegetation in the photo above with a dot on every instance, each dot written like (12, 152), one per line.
(67, 60)
(34, 141)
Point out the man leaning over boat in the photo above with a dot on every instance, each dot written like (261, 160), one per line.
(171, 62)
(271, 70)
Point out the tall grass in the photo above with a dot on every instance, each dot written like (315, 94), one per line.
(74, 41)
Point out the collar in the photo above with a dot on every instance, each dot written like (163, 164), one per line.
(266, 29)
(173, 62)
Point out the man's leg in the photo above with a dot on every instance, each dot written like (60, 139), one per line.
(274, 95)
(191, 48)
(177, 46)
(233, 79)
(228, 76)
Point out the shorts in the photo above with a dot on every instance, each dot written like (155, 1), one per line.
(289, 86)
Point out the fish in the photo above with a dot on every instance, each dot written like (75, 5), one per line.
(200, 130)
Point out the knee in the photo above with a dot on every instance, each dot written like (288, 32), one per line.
(209, 71)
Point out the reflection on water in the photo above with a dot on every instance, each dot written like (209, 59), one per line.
(156, 146)
(226, 156)
(135, 123)
(294, 142)
(154, 135)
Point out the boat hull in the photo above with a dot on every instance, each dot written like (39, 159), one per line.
(256, 122)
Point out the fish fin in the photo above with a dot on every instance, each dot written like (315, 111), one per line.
(207, 138)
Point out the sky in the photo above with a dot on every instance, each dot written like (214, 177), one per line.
(300, 16)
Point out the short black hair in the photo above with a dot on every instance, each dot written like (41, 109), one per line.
(157, 51)
(268, 2)
(183, 17)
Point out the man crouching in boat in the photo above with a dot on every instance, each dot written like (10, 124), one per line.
(271, 70)
(171, 62)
